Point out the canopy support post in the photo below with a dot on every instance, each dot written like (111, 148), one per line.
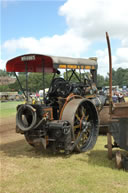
(94, 76)
(43, 79)
(80, 73)
(20, 84)
(26, 68)
(66, 73)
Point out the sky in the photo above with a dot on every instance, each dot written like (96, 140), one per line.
(73, 28)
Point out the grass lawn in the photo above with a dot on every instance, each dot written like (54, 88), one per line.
(24, 170)
(8, 108)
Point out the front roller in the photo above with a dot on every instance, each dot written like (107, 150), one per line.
(83, 117)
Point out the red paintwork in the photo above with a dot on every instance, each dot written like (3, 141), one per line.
(17, 65)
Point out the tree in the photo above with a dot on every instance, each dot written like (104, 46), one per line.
(35, 81)
(4, 73)
(74, 78)
(4, 88)
(100, 80)
(69, 73)
(120, 77)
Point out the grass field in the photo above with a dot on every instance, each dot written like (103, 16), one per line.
(24, 170)
(8, 108)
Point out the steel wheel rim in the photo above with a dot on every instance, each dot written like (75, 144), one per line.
(73, 113)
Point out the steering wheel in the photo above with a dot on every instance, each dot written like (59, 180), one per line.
(60, 87)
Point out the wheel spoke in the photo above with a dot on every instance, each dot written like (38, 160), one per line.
(77, 117)
(83, 110)
(80, 116)
(86, 117)
(83, 113)
(76, 126)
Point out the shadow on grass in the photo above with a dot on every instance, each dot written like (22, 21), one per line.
(100, 158)
(20, 149)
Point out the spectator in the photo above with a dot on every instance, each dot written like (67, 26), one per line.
(121, 98)
(115, 98)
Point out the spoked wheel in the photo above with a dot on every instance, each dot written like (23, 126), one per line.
(82, 115)
(109, 145)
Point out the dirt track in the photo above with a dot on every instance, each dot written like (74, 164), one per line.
(7, 130)
(7, 124)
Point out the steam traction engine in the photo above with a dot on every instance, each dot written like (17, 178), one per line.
(67, 119)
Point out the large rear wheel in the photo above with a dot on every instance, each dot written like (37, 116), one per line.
(83, 117)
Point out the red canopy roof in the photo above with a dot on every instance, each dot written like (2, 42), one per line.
(31, 62)
(36, 62)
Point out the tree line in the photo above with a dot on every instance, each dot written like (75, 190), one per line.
(35, 80)
(119, 77)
